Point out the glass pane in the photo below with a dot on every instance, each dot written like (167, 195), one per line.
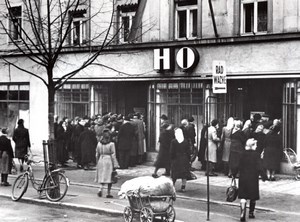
(85, 96)
(3, 94)
(76, 96)
(125, 22)
(197, 96)
(185, 96)
(13, 95)
(262, 16)
(173, 96)
(194, 23)
(24, 95)
(249, 17)
(182, 24)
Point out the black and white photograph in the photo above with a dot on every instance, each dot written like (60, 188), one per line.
(149, 110)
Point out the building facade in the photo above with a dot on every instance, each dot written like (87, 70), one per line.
(161, 62)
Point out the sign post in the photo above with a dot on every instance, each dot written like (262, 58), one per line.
(219, 79)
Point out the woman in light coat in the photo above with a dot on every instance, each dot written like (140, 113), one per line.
(212, 146)
(106, 163)
(226, 141)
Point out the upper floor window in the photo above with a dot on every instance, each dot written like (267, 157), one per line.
(79, 27)
(15, 22)
(254, 16)
(126, 17)
(186, 19)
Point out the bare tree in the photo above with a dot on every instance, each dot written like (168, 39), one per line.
(48, 30)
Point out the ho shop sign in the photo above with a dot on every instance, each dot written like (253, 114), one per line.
(186, 58)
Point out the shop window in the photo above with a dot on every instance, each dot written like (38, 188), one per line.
(254, 16)
(14, 100)
(79, 27)
(15, 22)
(186, 19)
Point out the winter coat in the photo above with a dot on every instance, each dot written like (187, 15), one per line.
(106, 162)
(250, 168)
(140, 135)
(212, 144)
(237, 146)
(272, 152)
(180, 159)
(203, 144)
(61, 148)
(260, 137)
(88, 143)
(226, 142)
(126, 136)
(164, 157)
(6, 155)
(22, 141)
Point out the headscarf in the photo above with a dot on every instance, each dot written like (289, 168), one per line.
(251, 144)
(179, 135)
(106, 137)
(247, 124)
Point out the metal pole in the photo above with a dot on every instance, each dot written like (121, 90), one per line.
(45, 151)
(207, 160)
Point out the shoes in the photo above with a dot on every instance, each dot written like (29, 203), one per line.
(251, 215)
(154, 175)
(6, 184)
(79, 166)
(109, 196)
(99, 194)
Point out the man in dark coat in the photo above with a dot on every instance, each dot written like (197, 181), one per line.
(77, 130)
(6, 157)
(88, 144)
(22, 142)
(126, 137)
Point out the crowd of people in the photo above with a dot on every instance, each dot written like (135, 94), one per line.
(77, 139)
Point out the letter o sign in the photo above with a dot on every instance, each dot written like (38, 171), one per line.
(187, 58)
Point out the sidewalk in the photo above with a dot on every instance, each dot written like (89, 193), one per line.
(82, 193)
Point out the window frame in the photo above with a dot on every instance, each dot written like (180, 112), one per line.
(82, 31)
(122, 15)
(10, 25)
(255, 17)
(189, 21)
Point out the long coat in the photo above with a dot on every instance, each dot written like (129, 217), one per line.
(226, 142)
(61, 149)
(180, 159)
(126, 136)
(164, 155)
(88, 143)
(237, 146)
(212, 144)
(6, 155)
(22, 141)
(250, 168)
(272, 152)
(106, 162)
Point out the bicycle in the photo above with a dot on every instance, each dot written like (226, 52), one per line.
(55, 184)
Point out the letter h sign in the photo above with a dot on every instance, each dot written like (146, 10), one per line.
(163, 59)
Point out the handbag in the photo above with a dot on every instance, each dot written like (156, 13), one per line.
(114, 177)
(232, 191)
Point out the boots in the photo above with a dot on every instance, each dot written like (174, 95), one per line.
(243, 209)
(251, 209)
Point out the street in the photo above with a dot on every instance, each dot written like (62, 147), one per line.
(24, 211)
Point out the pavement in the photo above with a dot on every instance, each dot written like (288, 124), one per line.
(82, 194)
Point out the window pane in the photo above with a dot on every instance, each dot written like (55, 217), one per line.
(262, 19)
(13, 95)
(249, 17)
(3, 94)
(24, 95)
(194, 23)
(76, 32)
(182, 24)
(125, 22)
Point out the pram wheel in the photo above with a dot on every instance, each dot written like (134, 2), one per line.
(146, 215)
(127, 214)
(170, 214)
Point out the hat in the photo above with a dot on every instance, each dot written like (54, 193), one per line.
(164, 117)
(20, 121)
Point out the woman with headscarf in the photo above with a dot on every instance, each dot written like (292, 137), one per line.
(213, 140)
(247, 129)
(249, 169)
(106, 163)
(22, 142)
(180, 159)
(226, 141)
(6, 157)
(237, 146)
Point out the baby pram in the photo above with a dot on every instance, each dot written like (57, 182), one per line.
(293, 160)
(149, 198)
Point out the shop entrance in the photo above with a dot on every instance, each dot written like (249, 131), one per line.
(131, 97)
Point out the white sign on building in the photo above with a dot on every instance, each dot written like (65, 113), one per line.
(219, 80)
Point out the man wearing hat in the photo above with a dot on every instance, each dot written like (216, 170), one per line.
(6, 157)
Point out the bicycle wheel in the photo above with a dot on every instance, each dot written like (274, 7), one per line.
(56, 186)
(19, 187)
